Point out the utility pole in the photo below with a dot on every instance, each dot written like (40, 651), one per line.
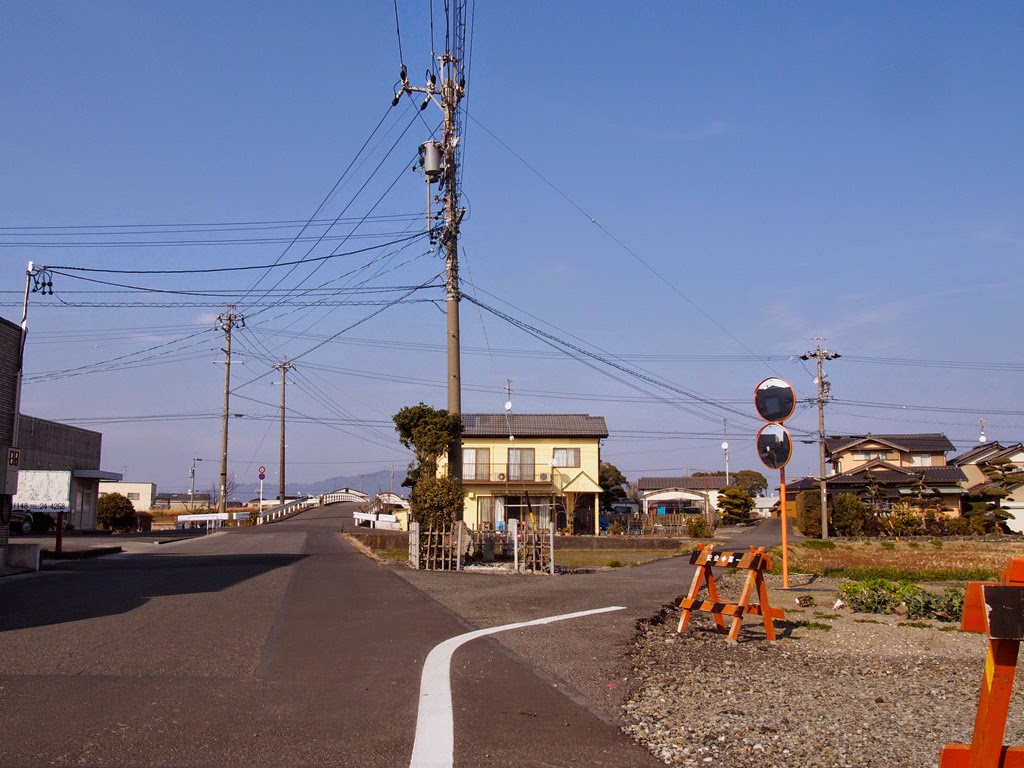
(227, 321)
(440, 164)
(824, 395)
(725, 448)
(192, 493)
(283, 367)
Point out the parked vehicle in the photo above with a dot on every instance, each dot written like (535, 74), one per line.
(25, 522)
(21, 522)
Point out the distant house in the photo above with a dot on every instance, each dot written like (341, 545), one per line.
(883, 470)
(141, 495)
(182, 502)
(978, 464)
(663, 495)
(532, 467)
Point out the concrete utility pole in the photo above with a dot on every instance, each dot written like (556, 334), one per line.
(824, 395)
(283, 367)
(440, 164)
(192, 493)
(227, 321)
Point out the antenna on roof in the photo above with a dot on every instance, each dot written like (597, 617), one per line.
(981, 437)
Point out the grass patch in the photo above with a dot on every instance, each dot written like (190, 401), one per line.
(818, 544)
(944, 561)
(828, 616)
(610, 558)
(868, 621)
(916, 624)
(380, 554)
(926, 575)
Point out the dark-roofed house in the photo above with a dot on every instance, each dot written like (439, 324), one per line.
(532, 467)
(885, 469)
(847, 452)
(984, 465)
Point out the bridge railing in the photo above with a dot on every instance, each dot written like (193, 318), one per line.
(287, 510)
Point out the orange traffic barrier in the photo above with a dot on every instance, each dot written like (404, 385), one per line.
(755, 562)
(995, 609)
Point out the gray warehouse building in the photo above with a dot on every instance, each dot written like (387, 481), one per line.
(59, 464)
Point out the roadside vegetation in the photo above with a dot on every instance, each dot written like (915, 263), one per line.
(929, 561)
(577, 559)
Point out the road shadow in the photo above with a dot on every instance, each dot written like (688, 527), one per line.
(69, 591)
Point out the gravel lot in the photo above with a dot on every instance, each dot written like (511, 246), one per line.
(868, 691)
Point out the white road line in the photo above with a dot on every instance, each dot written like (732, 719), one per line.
(434, 746)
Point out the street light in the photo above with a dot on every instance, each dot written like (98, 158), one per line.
(192, 493)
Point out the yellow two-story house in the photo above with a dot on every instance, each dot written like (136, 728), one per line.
(536, 468)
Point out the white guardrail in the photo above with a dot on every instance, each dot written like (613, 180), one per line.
(216, 520)
(383, 521)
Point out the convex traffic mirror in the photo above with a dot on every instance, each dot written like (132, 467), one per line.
(774, 400)
(774, 446)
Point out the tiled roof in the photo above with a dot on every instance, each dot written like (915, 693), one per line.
(986, 454)
(533, 425)
(712, 483)
(945, 475)
(934, 442)
(903, 477)
(975, 454)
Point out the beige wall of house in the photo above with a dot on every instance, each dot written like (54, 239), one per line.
(529, 478)
(864, 453)
(141, 495)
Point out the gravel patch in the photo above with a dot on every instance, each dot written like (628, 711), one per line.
(836, 688)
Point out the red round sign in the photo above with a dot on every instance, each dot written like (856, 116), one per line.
(263, 470)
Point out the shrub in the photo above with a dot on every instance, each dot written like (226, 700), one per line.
(958, 526)
(697, 527)
(848, 515)
(436, 501)
(904, 521)
(808, 514)
(886, 596)
(115, 513)
(735, 505)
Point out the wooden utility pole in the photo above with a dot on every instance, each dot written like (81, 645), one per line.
(283, 367)
(824, 395)
(227, 322)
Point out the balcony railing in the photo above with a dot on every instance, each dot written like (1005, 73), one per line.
(537, 474)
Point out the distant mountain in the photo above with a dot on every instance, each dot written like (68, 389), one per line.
(370, 483)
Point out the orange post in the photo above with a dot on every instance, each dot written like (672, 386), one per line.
(785, 528)
(755, 562)
(998, 611)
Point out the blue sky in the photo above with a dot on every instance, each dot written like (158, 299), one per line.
(693, 189)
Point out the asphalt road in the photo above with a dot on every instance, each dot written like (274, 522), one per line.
(271, 646)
